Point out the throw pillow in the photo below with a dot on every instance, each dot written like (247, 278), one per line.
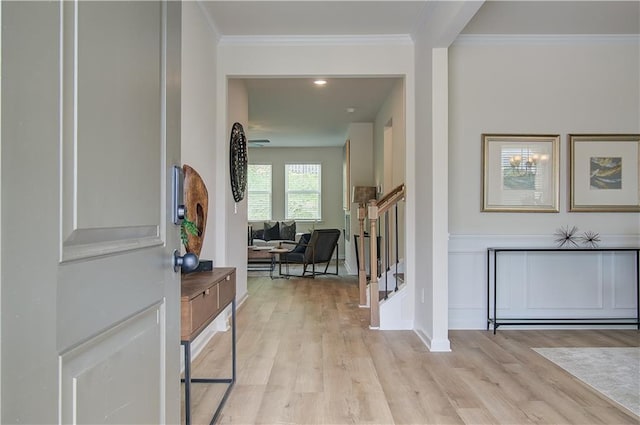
(257, 234)
(271, 232)
(302, 243)
(288, 230)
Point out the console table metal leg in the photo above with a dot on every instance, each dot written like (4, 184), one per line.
(488, 287)
(495, 292)
(233, 341)
(187, 382)
(230, 381)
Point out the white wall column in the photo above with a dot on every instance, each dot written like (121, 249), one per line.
(440, 171)
(443, 22)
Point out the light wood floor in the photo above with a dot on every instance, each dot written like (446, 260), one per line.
(306, 356)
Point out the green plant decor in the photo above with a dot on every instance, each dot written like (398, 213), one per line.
(187, 226)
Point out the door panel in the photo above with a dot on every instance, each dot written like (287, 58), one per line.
(95, 295)
(118, 113)
(104, 379)
(112, 127)
(112, 281)
(90, 301)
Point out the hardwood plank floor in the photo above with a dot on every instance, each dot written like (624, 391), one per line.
(307, 356)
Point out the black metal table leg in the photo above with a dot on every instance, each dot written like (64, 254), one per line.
(488, 286)
(187, 381)
(495, 291)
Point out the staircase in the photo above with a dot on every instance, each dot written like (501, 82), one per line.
(383, 291)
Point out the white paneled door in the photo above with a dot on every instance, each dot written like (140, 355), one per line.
(90, 130)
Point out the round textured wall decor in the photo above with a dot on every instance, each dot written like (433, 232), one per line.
(238, 162)
(196, 200)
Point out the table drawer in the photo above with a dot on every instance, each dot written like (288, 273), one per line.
(203, 297)
(203, 308)
(227, 289)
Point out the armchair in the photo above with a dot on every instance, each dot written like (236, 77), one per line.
(318, 250)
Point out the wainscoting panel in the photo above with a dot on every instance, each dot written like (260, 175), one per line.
(621, 267)
(575, 280)
(541, 284)
(463, 268)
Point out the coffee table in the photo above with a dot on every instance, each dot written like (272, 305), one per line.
(256, 257)
(281, 251)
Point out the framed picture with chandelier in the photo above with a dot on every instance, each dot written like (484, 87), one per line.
(604, 172)
(520, 173)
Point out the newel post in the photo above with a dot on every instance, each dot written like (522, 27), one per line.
(362, 272)
(373, 251)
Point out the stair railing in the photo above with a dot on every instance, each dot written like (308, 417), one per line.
(375, 209)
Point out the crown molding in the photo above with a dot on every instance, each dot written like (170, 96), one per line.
(316, 40)
(511, 39)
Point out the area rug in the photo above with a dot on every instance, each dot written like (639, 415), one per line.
(613, 371)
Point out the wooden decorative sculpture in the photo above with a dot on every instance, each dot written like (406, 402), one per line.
(196, 200)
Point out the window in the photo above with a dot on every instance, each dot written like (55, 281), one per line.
(303, 191)
(259, 192)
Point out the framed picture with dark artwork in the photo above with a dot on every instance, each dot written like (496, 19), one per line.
(604, 172)
(520, 173)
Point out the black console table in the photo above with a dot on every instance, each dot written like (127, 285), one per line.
(492, 258)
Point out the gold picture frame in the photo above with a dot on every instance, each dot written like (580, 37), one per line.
(520, 173)
(604, 172)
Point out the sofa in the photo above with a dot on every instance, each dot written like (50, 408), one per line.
(272, 233)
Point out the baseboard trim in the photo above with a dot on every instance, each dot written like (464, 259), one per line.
(434, 345)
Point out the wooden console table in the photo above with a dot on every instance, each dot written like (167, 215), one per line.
(492, 254)
(204, 296)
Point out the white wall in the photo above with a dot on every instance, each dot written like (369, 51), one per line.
(198, 108)
(331, 160)
(393, 110)
(236, 242)
(200, 147)
(393, 162)
(534, 86)
(361, 170)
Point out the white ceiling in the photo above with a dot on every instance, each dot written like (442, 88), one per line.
(294, 112)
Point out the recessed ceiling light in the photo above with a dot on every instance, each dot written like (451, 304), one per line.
(320, 82)
(351, 110)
